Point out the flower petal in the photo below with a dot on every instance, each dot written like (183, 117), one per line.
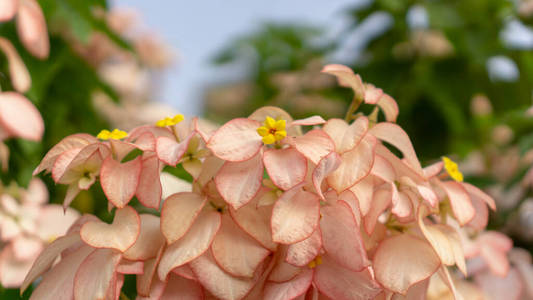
(346, 78)
(341, 237)
(239, 182)
(193, 244)
(119, 235)
(345, 136)
(8, 9)
(149, 190)
(285, 167)
(169, 151)
(178, 214)
(31, 29)
(314, 120)
(356, 165)
(301, 253)
(149, 242)
(396, 136)
(290, 289)
(236, 140)
(295, 216)
(325, 166)
(254, 219)
(460, 202)
(340, 283)
(235, 251)
(314, 145)
(403, 260)
(20, 77)
(96, 274)
(58, 283)
(19, 117)
(120, 180)
(219, 283)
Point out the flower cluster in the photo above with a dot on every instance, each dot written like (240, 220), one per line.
(278, 209)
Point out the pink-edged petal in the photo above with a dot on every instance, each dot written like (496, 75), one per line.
(372, 93)
(285, 167)
(346, 78)
(294, 216)
(120, 180)
(19, 117)
(340, 283)
(356, 165)
(12, 269)
(31, 29)
(364, 192)
(239, 182)
(445, 242)
(219, 283)
(345, 136)
(178, 214)
(381, 201)
(70, 142)
(314, 120)
(130, 267)
(150, 239)
(193, 244)
(481, 217)
(314, 145)
(477, 193)
(283, 271)
(403, 260)
(96, 274)
(185, 271)
(119, 235)
(255, 220)
(301, 253)
(169, 151)
(402, 205)
(20, 77)
(8, 9)
(396, 136)
(53, 221)
(389, 107)
(48, 257)
(383, 169)
(58, 283)
(433, 170)
(171, 184)
(149, 190)
(182, 288)
(290, 289)
(341, 237)
(235, 251)
(26, 248)
(121, 148)
(460, 202)
(236, 140)
(495, 287)
(146, 281)
(325, 166)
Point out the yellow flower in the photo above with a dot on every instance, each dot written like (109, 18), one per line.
(116, 134)
(452, 169)
(170, 121)
(315, 262)
(272, 130)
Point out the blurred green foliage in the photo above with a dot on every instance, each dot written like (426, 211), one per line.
(433, 86)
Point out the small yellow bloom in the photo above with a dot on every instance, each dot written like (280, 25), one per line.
(116, 134)
(452, 169)
(272, 130)
(315, 262)
(170, 121)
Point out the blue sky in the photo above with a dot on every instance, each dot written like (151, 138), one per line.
(197, 29)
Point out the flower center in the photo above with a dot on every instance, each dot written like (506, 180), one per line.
(272, 130)
(116, 134)
(452, 169)
(170, 121)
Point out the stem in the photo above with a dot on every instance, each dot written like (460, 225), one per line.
(123, 296)
(356, 102)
